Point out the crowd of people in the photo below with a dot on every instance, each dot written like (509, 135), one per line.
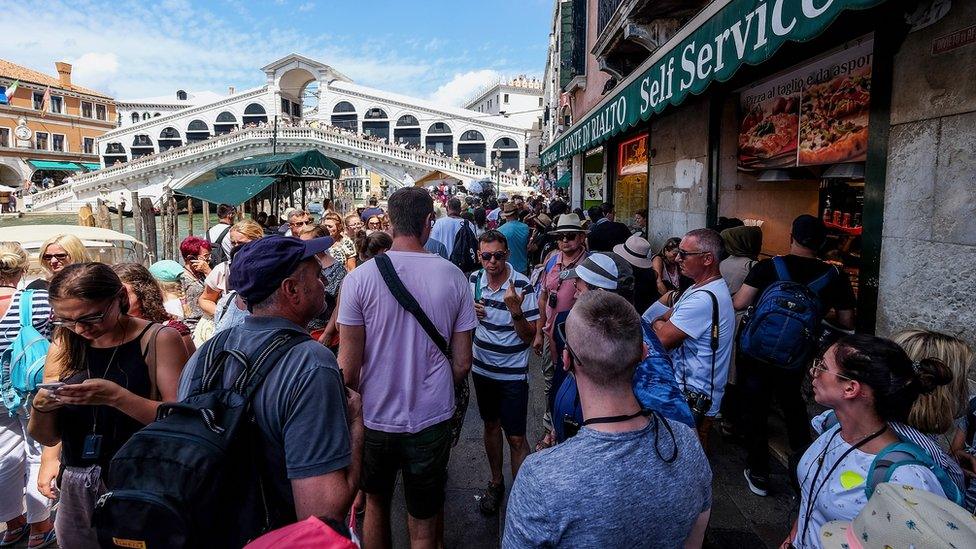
(338, 354)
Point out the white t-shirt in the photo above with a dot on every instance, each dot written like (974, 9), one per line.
(174, 307)
(445, 230)
(692, 314)
(214, 233)
(217, 279)
(843, 497)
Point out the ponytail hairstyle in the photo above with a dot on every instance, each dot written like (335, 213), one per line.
(373, 244)
(13, 261)
(92, 282)
(936, 411)
(895, 380)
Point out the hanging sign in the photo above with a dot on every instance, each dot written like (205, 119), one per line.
(717, 44)
(815, 114)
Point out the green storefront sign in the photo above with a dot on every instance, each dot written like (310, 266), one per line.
(742, 32)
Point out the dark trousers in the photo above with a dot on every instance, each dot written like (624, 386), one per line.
(759, 383)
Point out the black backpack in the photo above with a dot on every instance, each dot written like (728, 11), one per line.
(465, 252)
(217, 253)
(194, 477)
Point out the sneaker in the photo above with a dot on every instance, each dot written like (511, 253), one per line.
(758, 484)
(491, 499)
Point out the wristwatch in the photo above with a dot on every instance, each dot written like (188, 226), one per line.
(518, 316)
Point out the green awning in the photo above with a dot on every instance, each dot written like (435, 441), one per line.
(306, 165)
(90, 166)
(227, 190)
(564, 180)
(712, 46)
(54, 165)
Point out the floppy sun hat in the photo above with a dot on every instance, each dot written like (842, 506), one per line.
(636, 251)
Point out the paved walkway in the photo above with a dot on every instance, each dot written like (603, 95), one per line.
(739, 518)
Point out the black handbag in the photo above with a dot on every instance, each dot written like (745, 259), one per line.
(462, 392)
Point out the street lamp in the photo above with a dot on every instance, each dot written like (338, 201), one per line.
(496, 163)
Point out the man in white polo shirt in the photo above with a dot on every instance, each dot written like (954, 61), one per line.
(507, 310)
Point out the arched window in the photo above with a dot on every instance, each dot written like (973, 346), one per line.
(344, 116)
(145, 116)
(142, 145)
(506, 149)
(440, 139)
(472, 147)
(135, 117)
(407, 131)
(407, 120)
(180, 95)
(198, 130)
(375, 123)
(115, 152)
(255, 114)
(156, 115)
(226, 123)
(472, 135)
(169, 138)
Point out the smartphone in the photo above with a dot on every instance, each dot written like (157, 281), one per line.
(53, 386)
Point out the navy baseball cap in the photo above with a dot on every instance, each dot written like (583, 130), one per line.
(809, 232)
(259, 267)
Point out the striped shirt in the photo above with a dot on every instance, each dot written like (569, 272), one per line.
(499, 353)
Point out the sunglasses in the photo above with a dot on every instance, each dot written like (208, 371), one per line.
(820, 367)
(59, 257)
(683, 254)
(89, 321)
(499, 256)
(566, 237)
(300, 223)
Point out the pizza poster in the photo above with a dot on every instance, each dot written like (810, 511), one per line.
(816, 114)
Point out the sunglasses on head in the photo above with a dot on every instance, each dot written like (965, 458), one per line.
(499, 256)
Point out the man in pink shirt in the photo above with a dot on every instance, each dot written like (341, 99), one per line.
(406, 382)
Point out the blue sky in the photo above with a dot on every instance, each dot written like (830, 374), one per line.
(433, 49)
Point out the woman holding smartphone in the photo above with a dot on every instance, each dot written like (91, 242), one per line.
(20, 455)
(116, 370)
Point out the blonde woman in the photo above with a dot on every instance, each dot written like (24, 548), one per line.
(55, 254)
(20, 455)
(215, 285)
(941, 414)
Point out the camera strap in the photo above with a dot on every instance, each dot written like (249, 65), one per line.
(616, 419)
(713, 343)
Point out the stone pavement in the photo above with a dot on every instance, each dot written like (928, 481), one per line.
(739, 519)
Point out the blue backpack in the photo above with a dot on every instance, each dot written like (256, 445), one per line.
(23, 359)
(782, 329)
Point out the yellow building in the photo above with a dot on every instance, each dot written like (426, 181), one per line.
(49, 134)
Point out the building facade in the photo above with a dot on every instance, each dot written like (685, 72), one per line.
(520, 100)
(851, 110)
(134, 111)
(48, 125)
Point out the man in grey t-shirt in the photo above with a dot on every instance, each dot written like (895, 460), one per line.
(626, 479)
(311, 431)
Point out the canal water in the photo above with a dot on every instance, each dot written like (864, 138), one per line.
(127, 223)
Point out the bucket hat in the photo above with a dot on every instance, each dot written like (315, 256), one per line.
(568, 223)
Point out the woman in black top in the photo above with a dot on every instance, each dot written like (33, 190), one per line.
(116, 370)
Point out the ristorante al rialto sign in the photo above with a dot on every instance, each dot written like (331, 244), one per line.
(739, 32)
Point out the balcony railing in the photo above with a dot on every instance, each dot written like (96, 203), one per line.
(605, 11)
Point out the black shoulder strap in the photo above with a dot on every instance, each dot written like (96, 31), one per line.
(714, 336)
(408, 302)
(219, 238)
(255, 367)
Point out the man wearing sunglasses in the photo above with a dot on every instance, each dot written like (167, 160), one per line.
(505, 304)
(556, 298)
(698, 329)
(297, 220)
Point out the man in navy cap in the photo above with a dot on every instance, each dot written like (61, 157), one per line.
(311, 427)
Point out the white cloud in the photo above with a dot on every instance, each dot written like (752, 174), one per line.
(307, 6)
(463, 86)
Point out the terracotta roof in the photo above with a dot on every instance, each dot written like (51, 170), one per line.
(18, 72)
